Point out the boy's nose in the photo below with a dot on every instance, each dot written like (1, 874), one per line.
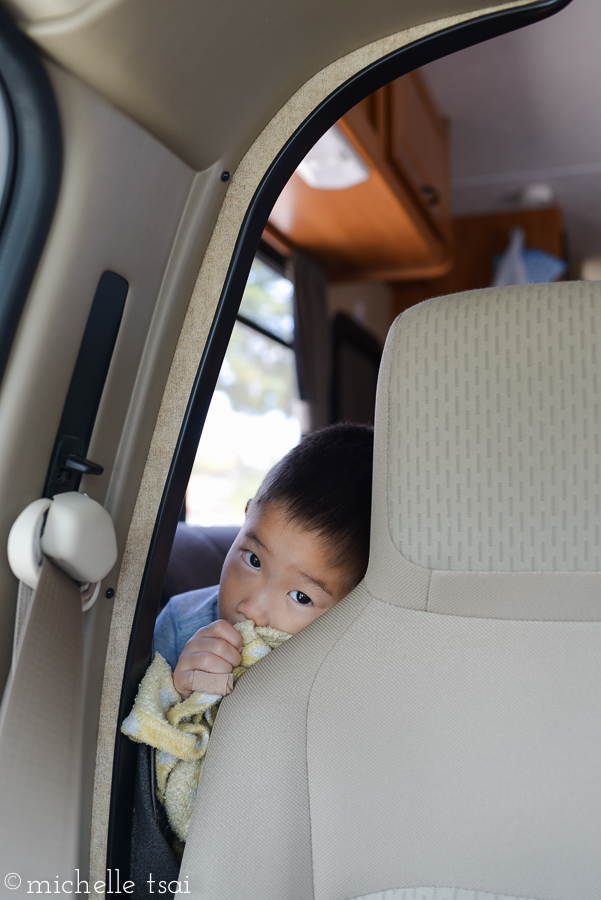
(256, 606)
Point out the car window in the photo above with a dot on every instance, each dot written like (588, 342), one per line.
(252, 419)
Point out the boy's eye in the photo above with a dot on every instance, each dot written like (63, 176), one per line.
(299, 597)
(251, 559)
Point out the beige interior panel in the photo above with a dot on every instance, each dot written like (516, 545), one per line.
(116, 179)
(33, 10)
(206, 78)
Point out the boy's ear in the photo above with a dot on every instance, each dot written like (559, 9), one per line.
(248, 502)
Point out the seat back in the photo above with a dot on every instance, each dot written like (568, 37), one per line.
(437, 733)
(196, 558)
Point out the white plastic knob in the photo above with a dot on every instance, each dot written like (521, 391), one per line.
(24, 542)
(78, 535)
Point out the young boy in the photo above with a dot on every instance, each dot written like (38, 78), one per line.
(303, 547)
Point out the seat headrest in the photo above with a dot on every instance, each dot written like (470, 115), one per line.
(488, 444)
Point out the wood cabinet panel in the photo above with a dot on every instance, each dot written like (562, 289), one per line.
(385, 228)
(378, 237)
(374, 110)
(418, 144)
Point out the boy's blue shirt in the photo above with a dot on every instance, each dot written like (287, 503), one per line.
(181, 618)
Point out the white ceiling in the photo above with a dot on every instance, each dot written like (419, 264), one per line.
(526, 107)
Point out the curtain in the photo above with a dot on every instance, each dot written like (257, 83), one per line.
(312, 340)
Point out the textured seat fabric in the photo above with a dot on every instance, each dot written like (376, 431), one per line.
(440, 728)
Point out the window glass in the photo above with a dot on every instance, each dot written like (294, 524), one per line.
(268, 300)
(251, 422)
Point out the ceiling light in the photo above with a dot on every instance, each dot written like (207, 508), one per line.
(537, 194)
(333, 163)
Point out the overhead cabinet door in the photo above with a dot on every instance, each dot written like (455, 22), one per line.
(418, 146)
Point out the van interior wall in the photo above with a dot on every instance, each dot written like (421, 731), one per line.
(369, 303)
(478, 239)
(116, 179)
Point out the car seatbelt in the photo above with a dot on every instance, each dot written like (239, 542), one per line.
(40, 737)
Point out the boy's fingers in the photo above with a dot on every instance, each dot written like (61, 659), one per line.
(217, 656)
(221, 628)
(217, 647)
(225, 650)
(213, 650)
(203, 664)
(183, 682)
(204, 661)
(210, 683)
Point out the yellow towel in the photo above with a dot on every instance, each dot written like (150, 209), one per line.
(180, 729)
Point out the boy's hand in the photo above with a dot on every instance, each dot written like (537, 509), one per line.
(214, 648)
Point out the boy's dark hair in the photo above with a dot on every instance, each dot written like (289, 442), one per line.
(324, 484)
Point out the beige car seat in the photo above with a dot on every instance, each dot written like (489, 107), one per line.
(438, 733)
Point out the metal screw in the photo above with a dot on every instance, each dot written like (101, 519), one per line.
(110, 592)
(225, 176)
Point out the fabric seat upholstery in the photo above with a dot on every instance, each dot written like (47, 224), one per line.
(440, 728)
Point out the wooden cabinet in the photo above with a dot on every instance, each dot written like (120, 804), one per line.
(418, 145)
(396, 224)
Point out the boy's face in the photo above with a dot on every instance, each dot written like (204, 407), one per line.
(278, 574)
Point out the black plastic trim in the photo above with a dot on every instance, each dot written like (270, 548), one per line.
(323, 117)
(86, 386)
(36, 163)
